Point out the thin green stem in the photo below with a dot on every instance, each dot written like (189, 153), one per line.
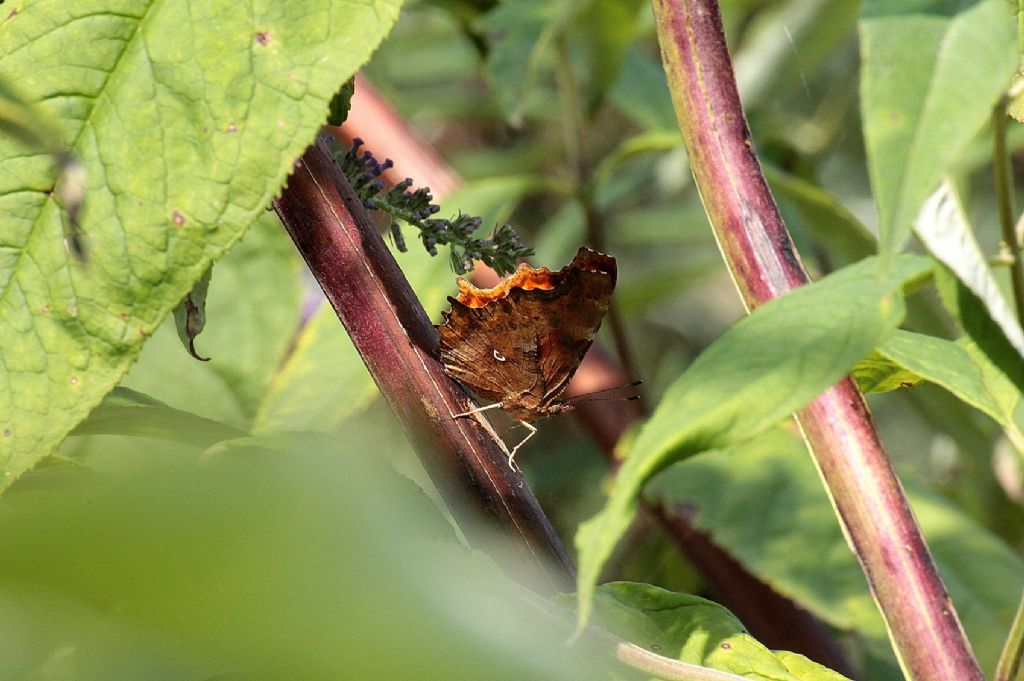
(1004, 199)
(572, 113)
(1009, 659)
(572, 122)
(1020, 26)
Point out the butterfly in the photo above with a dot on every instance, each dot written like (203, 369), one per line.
(520, 342)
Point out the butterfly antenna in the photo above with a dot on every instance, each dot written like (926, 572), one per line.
(605, 390)
(613, 399)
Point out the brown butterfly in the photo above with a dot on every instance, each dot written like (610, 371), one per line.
(520, 342)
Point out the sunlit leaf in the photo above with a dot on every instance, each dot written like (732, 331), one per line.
(761, 370)
(697, 631)
(187, 118)
(931, 73)
(797, 547)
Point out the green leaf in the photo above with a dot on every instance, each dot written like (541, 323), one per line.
(760, 371)
(190, 315)
(341, 103)
(521, 34)
(876, 373)
(187, 118)
(991, 337)
(253, 309)
(37, 130)
(932, 72)
(30, 125)
(324, 380)
(943, 227)
(605, 34)
(128, 412)
(797, 546)
(642, 95)
(697, 631)
(1015, 107)
(283, 557)
(823, 215)
(769, 67)
(962, 369)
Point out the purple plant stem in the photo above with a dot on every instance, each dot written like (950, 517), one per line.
(868, 497)
(397, 342)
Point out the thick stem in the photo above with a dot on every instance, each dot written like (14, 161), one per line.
(868, 498)
(392, 334)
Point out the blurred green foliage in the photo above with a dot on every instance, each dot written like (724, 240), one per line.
(188, 531)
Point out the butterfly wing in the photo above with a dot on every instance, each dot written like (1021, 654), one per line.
(489, 350)
(521, 349)
(569, 317)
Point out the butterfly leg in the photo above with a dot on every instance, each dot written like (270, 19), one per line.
(477, 410)
(533, 431)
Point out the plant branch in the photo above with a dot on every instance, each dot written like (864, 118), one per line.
(1009, 658)
(572, 124)
(392, 334)
(1004, 201)
(867, 496)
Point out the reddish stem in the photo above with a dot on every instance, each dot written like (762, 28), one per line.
(392, 334)
(869, 500)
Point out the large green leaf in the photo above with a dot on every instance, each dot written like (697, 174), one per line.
(943, 226)
(521, 37)
(324, 380)
(932, 72)
(187, 118)
(761, 370)
(158, 561)
(595, 36)
(128, 412)
(763, 503)
(697, 631)
(962, 369)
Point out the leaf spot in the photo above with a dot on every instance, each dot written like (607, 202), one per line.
(178, 218)
(232, 127)
(74, 380)
(262, 38)
(7, 432)
(726, 646)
